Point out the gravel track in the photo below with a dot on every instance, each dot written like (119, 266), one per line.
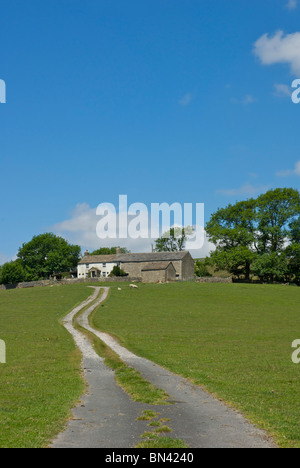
(106, 416)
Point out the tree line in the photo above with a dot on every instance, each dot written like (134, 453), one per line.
(259, 237)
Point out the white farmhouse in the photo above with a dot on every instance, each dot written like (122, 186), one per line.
(96, 266)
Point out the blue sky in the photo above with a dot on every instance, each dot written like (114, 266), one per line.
(165, 100)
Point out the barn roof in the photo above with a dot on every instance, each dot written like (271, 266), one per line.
(135, 257)
(152, 257)
(152, 266)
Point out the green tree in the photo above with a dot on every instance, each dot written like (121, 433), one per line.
(293, 250)
(109, 251)
(47, 254)
(295, 231)
(173, 240)
(232, 230)
(292, 253)
(13, 272)
(246, 233)
(271, 267)
(236, 260)
(277, 216)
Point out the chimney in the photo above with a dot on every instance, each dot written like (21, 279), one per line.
(86, 253)
(118, 250)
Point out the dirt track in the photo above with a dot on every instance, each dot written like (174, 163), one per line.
(106, 416)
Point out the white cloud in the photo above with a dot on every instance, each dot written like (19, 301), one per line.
(279, 49)
(290, 172)
(292, 4)
(246, 190)
(185, 100)
(80, 229)
(282, 90)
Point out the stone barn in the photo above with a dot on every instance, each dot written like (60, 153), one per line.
(134, 263)
(158, 272)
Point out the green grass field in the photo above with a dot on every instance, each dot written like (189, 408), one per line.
(41, 380)
(233, 339)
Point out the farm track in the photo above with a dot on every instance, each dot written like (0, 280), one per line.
(106, 416)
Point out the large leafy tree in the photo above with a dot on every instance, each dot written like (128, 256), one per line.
(258, 235)
(233, 226)
(172, 241)
(278, 235)
(232, 230)
(47, 254)
(292, 254)
(295, 230)
(292, 251)
(277, 212)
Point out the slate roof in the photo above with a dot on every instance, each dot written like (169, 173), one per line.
(152, 257)
(98, 259)
(135, 257)
(152, 266)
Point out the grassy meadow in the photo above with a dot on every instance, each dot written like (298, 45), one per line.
(232, 339)
(41, 380)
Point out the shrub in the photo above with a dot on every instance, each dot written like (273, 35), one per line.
(201, 269)
(117, 271)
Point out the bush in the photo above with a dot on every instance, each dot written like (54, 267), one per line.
(271, 267)
(117, 271)
(12, 272)
(201, 269)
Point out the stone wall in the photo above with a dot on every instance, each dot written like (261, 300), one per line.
(34, 284)
(188, 267)
(154, 276)
(159, 276)
(171, 273)
(212, 279)
(134, 268)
